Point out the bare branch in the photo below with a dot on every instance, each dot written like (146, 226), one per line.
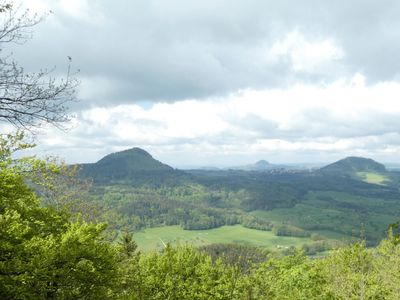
(29, 100)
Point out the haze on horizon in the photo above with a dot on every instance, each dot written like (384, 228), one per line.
(224, 83)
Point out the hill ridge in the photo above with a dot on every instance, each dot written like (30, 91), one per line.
(130, 164)
(352, 164)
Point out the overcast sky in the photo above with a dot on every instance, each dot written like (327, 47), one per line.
(224, 82)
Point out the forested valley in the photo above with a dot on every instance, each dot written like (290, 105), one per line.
(300, 203)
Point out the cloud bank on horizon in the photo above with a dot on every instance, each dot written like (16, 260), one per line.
(220, 82)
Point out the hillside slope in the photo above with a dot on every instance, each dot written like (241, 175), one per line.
(260, 166)
(129, 165)
(360, 168)
(354, 164)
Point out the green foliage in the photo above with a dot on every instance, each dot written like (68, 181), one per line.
(388, 265)
(289, 230)
(42, 253)
(184, 273)
(290, 277)
(242, 256)
(321, 246)
(352, 273)
(254, 222)
(340, 212)
(47, 254)
(351, 165)
(78, 264)
(185, 205)
(135, 166)
(201, 200)
(127, 245)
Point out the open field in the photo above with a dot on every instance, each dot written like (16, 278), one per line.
(150, 239)
(374, 178)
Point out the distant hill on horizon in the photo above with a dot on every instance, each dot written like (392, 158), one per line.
(134, 158)
(339, 197)
(360, 168)
(137, 165)
(353, 164)
(261, 166)
(133, 164)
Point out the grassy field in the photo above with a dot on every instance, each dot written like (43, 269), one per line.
(153, 238)
(374, 178)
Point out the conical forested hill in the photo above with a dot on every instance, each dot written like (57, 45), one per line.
(360, 168)
(352, 165)
(135, 159)
(134, 165)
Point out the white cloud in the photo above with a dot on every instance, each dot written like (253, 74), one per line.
(82, 10)
(344, 118)
(75, 8)
(261, 79)
(306, 55)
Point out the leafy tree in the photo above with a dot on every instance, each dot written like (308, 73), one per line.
(290, 277)
(242, 256)
(289, 230)
(42, 253)
(128, 245)
(351, 273)
(388, 265)
(58, 185)
(185, 273)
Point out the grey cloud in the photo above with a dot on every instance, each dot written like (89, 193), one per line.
(170, 50)
(312, 124)
(91, 141)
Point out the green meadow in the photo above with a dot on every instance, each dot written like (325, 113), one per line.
(153, 238)
(374, 178)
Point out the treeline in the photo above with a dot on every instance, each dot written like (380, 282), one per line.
(153, 178)
(197, 207)
(210, 199)
(192, 207)
(289, 230)
(253, 222)
(264, 191)
(321, 246)
(352, 272)
(240, 256)
(270, 190)
(151, 208)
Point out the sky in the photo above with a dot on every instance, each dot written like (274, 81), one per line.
(223, 82)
